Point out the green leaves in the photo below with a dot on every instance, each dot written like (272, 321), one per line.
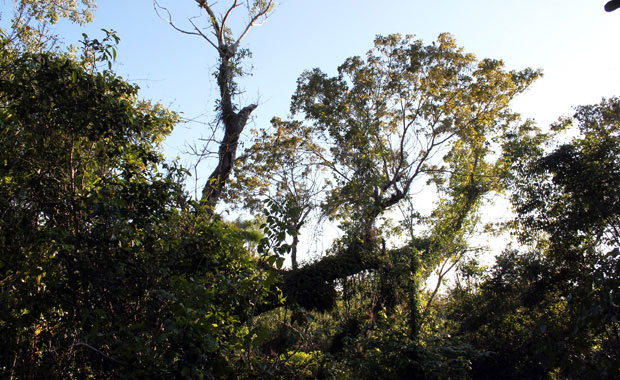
(556, 193)
(30, 22)
(108, 269)
(276, 229)
(384, 119)
(556, 296)
(94, 51)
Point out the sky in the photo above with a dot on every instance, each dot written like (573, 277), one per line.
(575, 42)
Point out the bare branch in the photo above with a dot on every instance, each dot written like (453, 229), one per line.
(200, 33)
(225, 18)
(441, 274)
(218, 29)
(99, 352)
(157, 7)
(252, 22)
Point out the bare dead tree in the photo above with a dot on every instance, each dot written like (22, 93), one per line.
(227, 47)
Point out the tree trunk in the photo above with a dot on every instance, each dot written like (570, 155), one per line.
(234, 123)
(313, 286)
(294, 250)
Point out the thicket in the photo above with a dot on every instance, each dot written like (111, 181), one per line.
(109, 269)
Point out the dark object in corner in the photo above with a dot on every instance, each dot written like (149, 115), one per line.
(612, 5)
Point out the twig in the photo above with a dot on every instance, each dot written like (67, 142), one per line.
(98, 351)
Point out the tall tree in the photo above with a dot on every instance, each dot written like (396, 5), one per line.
(233, 117)
(388, 119)
(406, 115)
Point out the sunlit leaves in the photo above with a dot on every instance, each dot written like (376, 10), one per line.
(105, 260)
(386, 120)
(29, 30)
(556, 192)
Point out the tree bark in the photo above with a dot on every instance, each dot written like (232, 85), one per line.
(234, 123)
(294, 264)
(313, 286)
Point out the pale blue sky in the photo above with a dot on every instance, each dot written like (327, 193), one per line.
(575, 42)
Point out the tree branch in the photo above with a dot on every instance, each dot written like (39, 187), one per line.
(217, 28)
(200, 33)
(262, 13)
(99, 352)
(168, 20)
(225, 18)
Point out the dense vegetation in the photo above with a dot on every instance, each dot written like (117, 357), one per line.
(110, 269)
